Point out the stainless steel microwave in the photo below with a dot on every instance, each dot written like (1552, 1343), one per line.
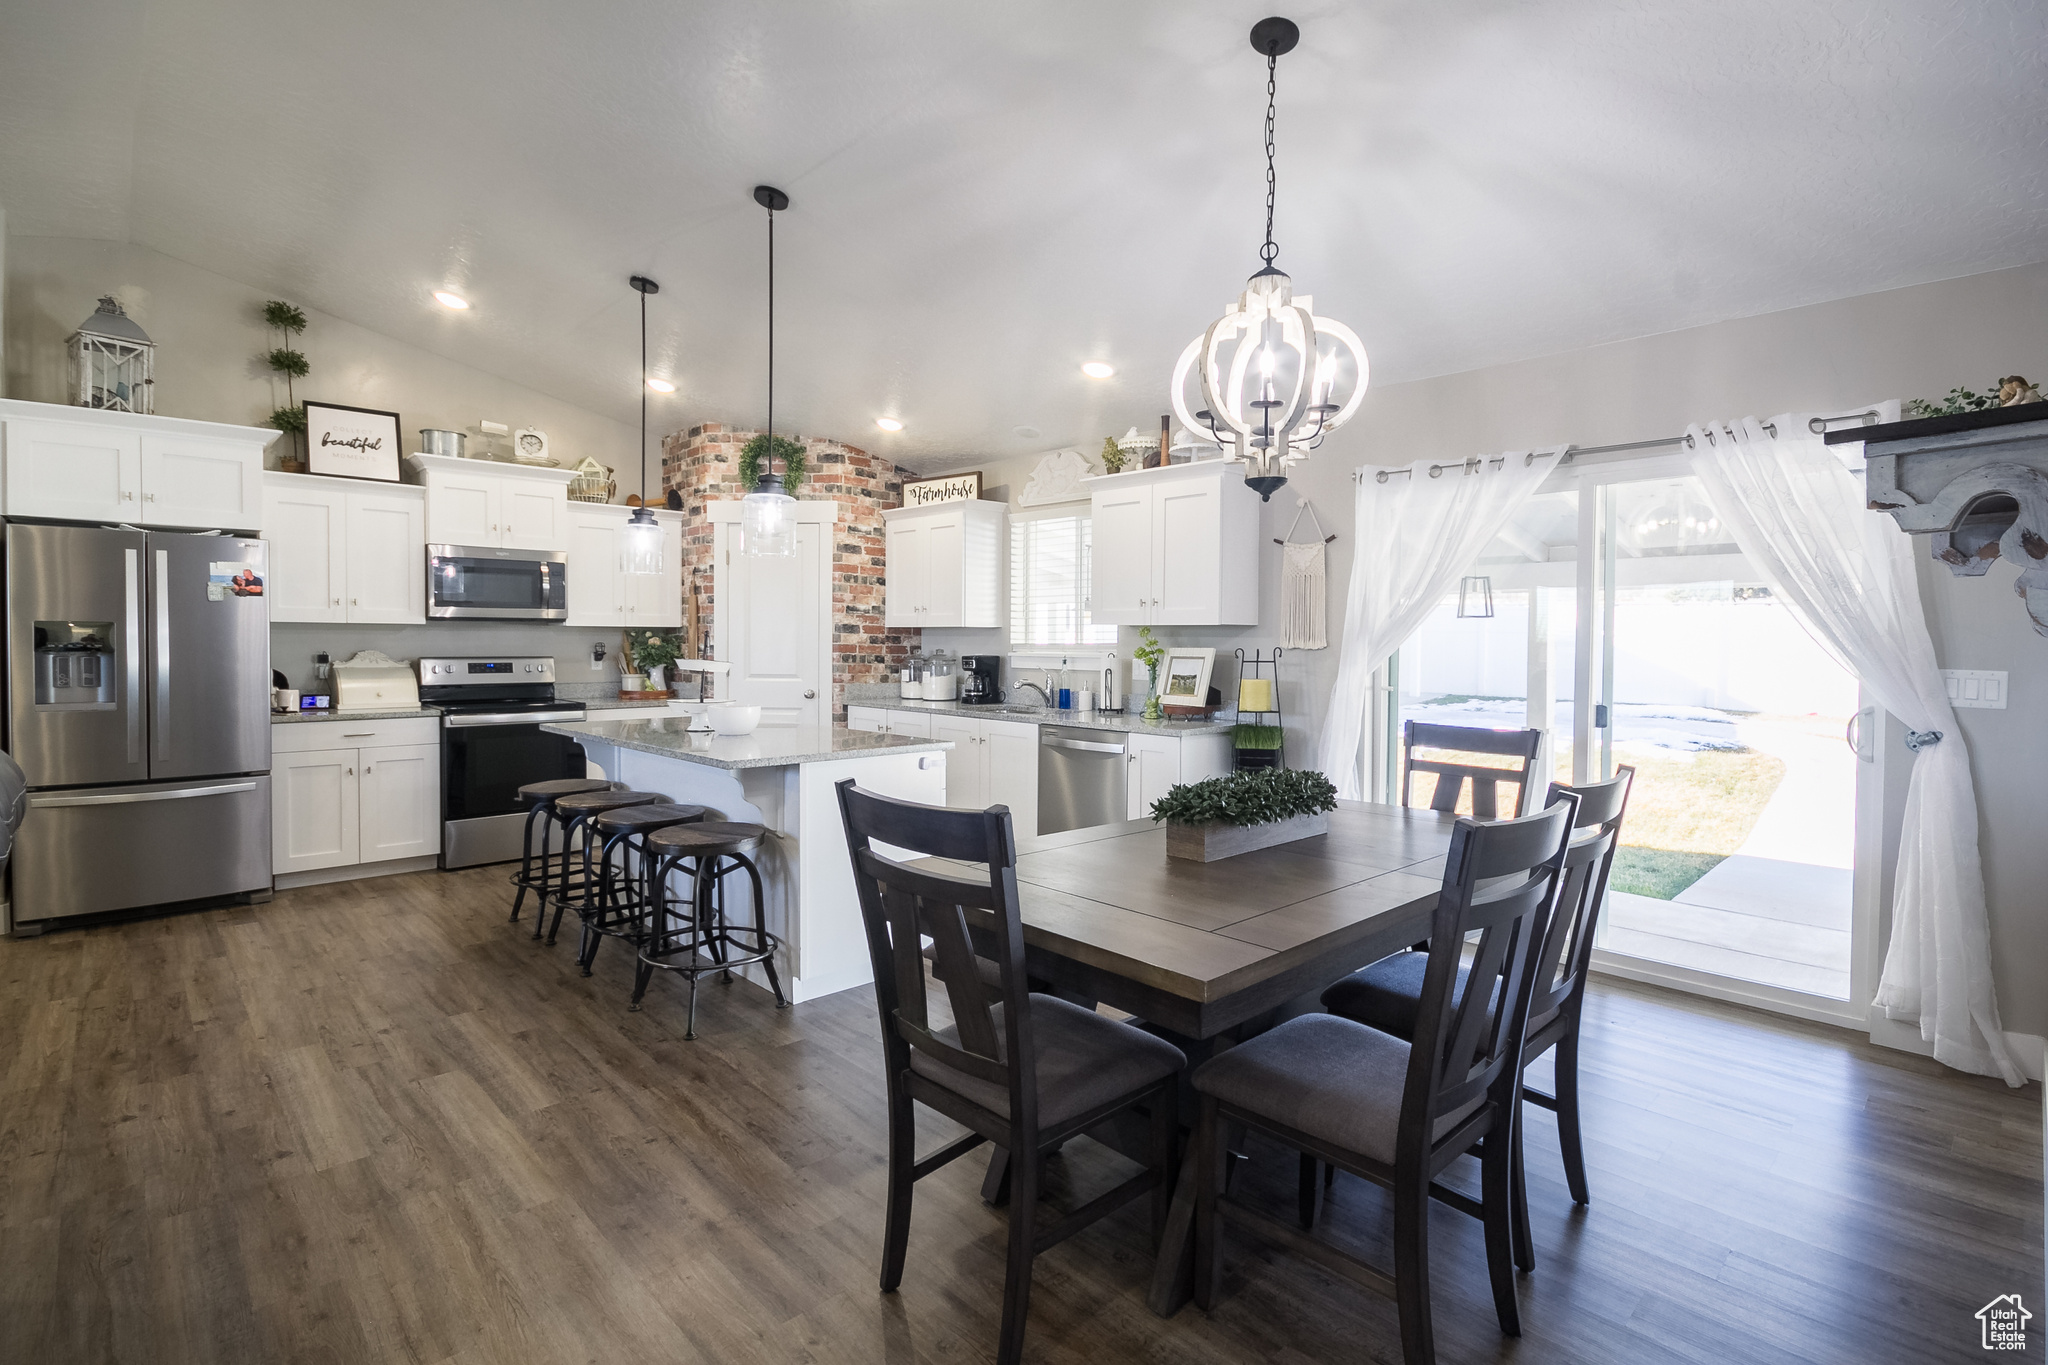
(486, 583)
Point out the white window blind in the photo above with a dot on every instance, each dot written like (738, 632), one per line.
(1049, 584)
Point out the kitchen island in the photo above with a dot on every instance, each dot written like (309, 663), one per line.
(781, 779)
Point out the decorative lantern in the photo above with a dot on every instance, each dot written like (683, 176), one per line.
(111, 356)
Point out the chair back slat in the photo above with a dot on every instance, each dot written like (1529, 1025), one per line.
(1466, 1042)
(901, 906)
(1452, 777)
(1567, 953)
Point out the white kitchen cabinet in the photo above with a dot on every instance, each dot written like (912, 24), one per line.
(878, 720)
(992, 762)
(490, 504)
(1010, 754)
(1174, 546)
(944, 564)
(600, 592)
(343, 550)
(353, 794)
(967, 764)
(82, 464)
(1159, 763)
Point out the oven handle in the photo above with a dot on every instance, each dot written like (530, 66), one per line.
(464, 722)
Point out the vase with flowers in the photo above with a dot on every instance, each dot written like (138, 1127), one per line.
(1151, 653)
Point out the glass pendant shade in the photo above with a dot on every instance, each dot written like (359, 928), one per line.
(768, 520)
(640, 547)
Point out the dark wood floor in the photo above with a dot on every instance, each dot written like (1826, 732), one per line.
(371, 1122)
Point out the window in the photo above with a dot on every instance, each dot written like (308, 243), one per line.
(1049, 583)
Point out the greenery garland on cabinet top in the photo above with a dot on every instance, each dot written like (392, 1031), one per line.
(789, 462)
(1257, 796)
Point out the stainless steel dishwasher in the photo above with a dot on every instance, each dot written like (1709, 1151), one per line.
(1081, 777)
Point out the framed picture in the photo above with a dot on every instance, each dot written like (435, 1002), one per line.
(946, 488)
(351, 443)
(1184, 676)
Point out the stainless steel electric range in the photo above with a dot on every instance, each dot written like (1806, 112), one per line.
(491, 746)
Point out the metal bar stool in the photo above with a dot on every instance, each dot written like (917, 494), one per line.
(539, 799)
(704, 940)
(574, 814)
(622, 904)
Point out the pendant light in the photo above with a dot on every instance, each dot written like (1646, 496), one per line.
(640, 549)
(767, 514)
(1269, 379)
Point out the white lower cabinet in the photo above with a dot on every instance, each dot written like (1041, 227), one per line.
(347, 794)
(1159, 763)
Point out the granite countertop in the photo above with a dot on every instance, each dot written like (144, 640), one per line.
(302, 717)
(1129, 723)
(669, 737)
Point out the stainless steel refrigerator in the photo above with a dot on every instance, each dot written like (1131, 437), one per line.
(138, 706)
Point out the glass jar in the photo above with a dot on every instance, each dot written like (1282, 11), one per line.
(911, 680)
(941, 678)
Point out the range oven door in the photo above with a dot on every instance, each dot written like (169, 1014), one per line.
(471, 582)
(485, 760)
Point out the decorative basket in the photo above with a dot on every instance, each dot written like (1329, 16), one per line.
(593, 482)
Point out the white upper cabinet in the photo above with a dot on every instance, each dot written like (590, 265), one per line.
(80, 464)
(487, 504)
(600, 593)
(1174, 546)
(944, 564)
(345, 550)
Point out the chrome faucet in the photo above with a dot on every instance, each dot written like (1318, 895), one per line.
(1043, 695)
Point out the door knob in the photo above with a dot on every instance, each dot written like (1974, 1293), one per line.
(809, 694)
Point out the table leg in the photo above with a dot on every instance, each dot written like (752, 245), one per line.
(1173, 1271)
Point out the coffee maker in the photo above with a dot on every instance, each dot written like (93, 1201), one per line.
(978, 675)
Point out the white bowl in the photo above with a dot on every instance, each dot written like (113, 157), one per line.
(735, 720)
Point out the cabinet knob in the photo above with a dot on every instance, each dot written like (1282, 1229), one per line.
(356, 602)
(366, 770)
(351, 772)
(337, 601)
(127, 497)
(809, 694)
(149, 497)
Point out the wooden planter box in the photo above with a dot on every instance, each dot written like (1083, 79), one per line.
(1207, 843)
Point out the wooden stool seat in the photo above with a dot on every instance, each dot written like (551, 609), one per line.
(582, 805)
(638, 819)
(707, 837)
(562, 786)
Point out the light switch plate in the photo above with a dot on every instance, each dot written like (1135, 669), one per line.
(1975, 688)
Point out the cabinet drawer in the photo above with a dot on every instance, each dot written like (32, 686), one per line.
(301, 737)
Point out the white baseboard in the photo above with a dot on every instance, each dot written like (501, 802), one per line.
(390, 867)
(2027, 1049)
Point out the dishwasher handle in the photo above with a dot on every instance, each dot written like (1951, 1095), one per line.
(1082, 745)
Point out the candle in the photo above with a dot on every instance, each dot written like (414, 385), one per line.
(1255, 694)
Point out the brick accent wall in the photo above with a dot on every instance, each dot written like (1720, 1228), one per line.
(703, 463)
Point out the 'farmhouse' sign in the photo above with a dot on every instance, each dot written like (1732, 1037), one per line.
(951, 488)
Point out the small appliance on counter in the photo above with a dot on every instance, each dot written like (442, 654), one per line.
(980, 679)
(374, 681)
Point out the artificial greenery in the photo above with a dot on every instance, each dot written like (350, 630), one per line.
(1959, 400)
(1256, 796)
(650, 649)
(1113, 456)
(289, 320)
(1246, 736)
(789, 461)
(1149, 652)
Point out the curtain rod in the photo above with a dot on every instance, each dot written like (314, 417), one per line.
(1817, 425)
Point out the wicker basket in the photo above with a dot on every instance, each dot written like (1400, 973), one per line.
(593, 482)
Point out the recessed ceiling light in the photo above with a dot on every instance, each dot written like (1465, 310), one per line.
(1026, 433)
(888, 424)
(661, 386)
(442, 296)
(1098, 369)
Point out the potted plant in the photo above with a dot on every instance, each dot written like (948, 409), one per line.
(650, 653)
(1253, 809)
(288, 320)
(1149, 653)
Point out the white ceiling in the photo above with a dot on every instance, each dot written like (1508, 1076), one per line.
(986, 195)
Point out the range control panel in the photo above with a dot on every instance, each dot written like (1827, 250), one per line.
(443, 672)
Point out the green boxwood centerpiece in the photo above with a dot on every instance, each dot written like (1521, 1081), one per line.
(1256, 808)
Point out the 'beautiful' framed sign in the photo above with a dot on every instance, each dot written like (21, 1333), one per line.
(948, 488)
(351, 443)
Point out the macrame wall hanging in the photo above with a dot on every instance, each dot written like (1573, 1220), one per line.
(1304, 584)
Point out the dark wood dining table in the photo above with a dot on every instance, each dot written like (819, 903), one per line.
(1203, 952)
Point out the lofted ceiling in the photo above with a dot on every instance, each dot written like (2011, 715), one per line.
(987, 195)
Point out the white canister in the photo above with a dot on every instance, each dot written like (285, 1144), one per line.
(284, 699)
(1084, 700)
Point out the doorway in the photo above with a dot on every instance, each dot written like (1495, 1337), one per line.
(772, 617)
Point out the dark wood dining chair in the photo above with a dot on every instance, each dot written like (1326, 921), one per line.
(1027, 1071)
(1387, 994)
(1398, 1113)
(1452, 777)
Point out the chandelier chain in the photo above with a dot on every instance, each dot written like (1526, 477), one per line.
(1269, 251)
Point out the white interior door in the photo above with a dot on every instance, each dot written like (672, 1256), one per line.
(773, 617)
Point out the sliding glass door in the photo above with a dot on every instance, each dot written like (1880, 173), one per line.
(1628, 624)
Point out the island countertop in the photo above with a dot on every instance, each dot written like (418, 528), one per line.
(669, 737)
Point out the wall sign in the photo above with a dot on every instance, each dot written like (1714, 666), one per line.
(351, 443)
(950, 488)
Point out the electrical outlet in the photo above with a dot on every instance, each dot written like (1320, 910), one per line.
(597, 665)
(1975, 688)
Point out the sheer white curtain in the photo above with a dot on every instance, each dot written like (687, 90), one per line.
(1417, 532)
(1847, 572)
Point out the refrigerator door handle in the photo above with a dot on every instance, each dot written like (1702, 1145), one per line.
(129, 798)
(133, 700)
(160, 585)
